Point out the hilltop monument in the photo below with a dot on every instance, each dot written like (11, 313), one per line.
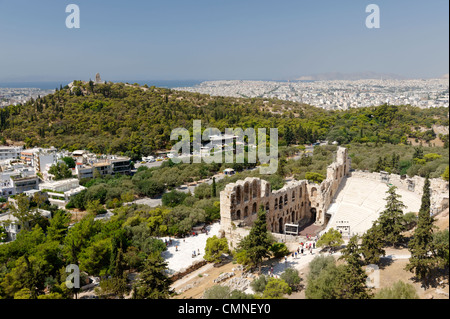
(98, 79)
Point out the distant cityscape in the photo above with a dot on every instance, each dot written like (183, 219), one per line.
(327, 94)
(14, 96)
(336, 94)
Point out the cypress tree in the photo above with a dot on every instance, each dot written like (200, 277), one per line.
(379, 166)
(423, 256)
(214, 188)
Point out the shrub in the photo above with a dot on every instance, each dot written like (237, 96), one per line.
(259, 284)
(292, 278)
(398, 290)
(332, 238)
(217, 292)
(323, 280)
(276, 288)
(173, 198)
(314, 177)
(214, 249)
(279, 250)
(318, 264)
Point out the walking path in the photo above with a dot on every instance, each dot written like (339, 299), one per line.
(179, 253)
(303, 260)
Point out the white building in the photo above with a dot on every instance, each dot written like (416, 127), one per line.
(9, 152)
(60, 192)
(12, 225)
(45, 157)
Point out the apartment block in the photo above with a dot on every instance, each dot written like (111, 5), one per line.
(9, 152)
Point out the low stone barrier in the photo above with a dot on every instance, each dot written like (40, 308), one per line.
(187, 271)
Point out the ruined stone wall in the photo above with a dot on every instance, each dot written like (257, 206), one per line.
(296, 203)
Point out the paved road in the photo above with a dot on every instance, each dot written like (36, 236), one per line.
(157, 201)
(303, 260)
(149, 165)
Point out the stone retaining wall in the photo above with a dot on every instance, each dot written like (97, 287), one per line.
(187, 271)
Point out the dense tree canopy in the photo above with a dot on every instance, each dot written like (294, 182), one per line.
(121, 118)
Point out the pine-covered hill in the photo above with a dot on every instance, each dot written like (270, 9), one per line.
(119, 118)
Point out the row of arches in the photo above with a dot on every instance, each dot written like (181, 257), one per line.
(284, 200)
(340, 171)
(249, 190)
(245, 213)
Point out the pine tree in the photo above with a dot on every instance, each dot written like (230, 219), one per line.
(353, 277)
(257, 243)
(372, 245)
(423, 255)
(153, 282)
(391, 221)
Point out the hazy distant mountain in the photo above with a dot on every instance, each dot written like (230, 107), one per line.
(445, 76)
(350, 76)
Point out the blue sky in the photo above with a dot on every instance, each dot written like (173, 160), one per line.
(218, 39)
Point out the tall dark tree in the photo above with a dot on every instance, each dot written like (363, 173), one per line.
(353, 278)
(391, 222)
(257, 243)
(153, 281)
(372, 245)
(214, 188)
(380, 165)
(418, 152)
(288, 135)
(423, 258)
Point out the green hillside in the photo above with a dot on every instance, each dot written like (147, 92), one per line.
(128, 119)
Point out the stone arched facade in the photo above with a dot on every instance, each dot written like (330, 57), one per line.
(296, 203)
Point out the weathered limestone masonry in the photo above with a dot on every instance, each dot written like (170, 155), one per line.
(298, 202)
(439, 187)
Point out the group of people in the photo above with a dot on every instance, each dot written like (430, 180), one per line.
(168, 242)
(194, 254)
(302, 249)
(271, 274)
(203, 230)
